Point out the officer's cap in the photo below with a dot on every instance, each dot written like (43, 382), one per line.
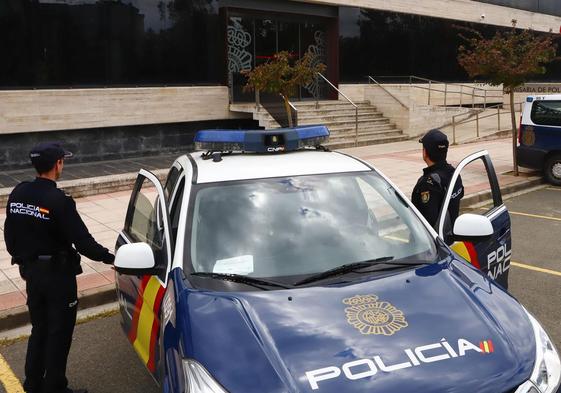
(436, 144)
(46, 154)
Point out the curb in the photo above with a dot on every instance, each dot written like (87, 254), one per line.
(19, 316)
(485, 196)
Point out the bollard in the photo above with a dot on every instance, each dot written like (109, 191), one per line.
(477, 123)
(453, 130)
(430, 87)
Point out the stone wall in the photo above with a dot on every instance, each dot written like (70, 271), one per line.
(65, 109)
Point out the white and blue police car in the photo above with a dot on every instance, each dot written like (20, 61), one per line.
(269, 264)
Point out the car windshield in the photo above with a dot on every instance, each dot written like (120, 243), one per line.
(302, 225)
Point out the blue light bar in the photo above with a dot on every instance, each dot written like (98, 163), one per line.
(261, 141)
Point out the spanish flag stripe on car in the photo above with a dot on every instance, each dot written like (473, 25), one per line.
(155, 328)
(467, 251)
(137, 307)
(145, 326)
(486, 346)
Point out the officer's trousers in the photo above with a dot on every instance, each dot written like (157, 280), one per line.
(52, 301)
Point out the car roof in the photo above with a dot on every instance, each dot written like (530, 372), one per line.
(243, 166)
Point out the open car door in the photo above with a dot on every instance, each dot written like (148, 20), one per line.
(492, 253)
(141, 290)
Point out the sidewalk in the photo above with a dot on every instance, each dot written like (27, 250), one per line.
(104, 214)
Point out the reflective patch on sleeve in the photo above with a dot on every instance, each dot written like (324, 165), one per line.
(425, 196)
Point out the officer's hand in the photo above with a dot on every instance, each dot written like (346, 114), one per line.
(109, 259)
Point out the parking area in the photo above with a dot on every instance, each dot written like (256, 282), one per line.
(103, 361)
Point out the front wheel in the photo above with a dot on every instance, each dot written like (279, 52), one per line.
(552, 169)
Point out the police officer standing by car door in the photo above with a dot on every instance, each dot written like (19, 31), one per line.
(430, 190)
(42, 226)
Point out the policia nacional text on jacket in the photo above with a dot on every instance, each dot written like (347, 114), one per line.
(41, 230)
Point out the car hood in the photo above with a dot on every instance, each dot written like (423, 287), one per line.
(440, 328)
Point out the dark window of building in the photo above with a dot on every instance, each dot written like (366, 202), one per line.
(551, 7)
(546, 113)
(379, 43)
(59, 43)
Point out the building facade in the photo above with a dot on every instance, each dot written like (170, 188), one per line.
(98, 64)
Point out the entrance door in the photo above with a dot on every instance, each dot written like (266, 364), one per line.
(491, 255)
(253, 39)
(313, 38)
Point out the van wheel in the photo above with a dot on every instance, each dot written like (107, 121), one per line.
(552, 169)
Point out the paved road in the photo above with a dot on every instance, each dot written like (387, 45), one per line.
(103, 361)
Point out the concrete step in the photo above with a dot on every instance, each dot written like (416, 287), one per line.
(366, 135)
(335, 118)
(338, 112)
(331, 105)
(341, 123)
(319, 117)
(365, 142)
(350, 128)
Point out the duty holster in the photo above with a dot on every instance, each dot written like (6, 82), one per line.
(68, 260)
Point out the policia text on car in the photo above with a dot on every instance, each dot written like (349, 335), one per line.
(41, 230)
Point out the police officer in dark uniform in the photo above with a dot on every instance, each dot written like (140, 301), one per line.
(44, 234)
(430, 190)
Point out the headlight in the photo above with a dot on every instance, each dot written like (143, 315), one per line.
(198, 379)
(547, 369)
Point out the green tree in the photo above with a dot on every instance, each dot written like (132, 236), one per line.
(509, 58)
(280, 76)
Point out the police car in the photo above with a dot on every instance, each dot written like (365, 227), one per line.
(539, 137)
(269, 264)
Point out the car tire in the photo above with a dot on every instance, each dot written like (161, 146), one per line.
(552, 169)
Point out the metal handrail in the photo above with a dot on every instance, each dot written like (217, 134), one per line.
(294, 109)
(477, 118)
(410, 77)
(347, 98)
(387, 91)
(475, 91)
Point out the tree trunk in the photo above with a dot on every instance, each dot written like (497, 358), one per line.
(514, 131)
(288, 111)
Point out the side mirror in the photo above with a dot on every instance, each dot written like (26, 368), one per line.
(472, 226)
(134, 258)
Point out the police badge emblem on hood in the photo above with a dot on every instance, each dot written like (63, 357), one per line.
(440, 328)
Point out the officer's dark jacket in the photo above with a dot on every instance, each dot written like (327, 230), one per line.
(430, 191)
(42, 220)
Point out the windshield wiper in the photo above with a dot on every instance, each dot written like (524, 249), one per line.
(350, 267)
(256, 282)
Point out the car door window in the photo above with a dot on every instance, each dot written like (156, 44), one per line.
(546, 113)
(176, 206)
(171, 181)
(145, 222)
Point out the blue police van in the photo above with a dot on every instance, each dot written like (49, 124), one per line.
(539, 138)
(268, 264)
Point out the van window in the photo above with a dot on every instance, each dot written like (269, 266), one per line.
(546, 113)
